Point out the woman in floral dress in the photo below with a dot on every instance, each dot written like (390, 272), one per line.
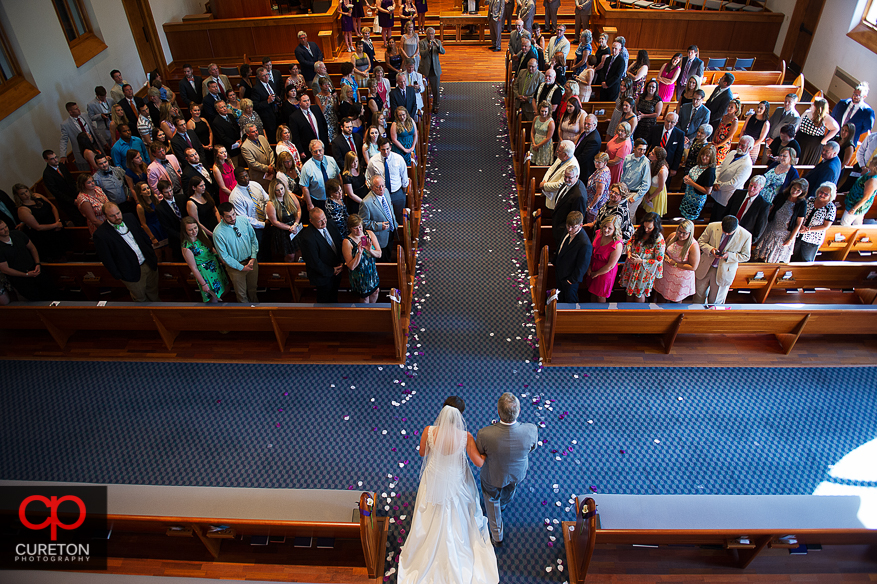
(645, 259)
(598, 187)
(541, 152)
(784, 222)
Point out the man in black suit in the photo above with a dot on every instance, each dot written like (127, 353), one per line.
(321, 249)
(345, 142)
(614, 73)
(226, 131)
(302, 125)
(211, 98)
(307, 54)
(588, 147)
(125, 251)
(265, 100)
(404, 96)
(171, 211)
(60, 184)
(691, 65)
(572, 196)
(191, 86)
(671, 139)
(750, 208)
(273, 74)
(184, 139)
(573, 259)
(131, 105)
(719, 99)
(194, 168)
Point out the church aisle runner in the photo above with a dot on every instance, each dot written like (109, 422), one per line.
(609, 430)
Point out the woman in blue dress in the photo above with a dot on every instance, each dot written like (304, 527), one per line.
(360, 248)
(403, 134)
(699, 183)
(146, 204)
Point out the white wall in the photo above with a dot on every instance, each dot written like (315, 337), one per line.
(172, 10)
(46, 62)
(786, 7)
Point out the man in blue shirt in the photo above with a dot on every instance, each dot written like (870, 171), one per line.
(125, 143)
(111, 180)
(828, 170)
(314, 174)
(237, 248)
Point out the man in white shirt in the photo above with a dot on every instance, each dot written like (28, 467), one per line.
(124, 249)
(249, 200)
(557, 43)
(731, 175)
(553, 180)
(415, 80)
(391, 167)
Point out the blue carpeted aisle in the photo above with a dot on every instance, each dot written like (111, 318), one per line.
(612, 430)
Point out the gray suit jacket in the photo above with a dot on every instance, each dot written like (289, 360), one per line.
(101, 126)
(429, 58)
(507, 449)
(372, 213)
(69, 131)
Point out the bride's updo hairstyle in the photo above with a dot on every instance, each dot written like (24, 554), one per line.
(455, 402)
(508, 407)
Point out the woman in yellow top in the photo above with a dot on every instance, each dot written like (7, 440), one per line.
(656, 199)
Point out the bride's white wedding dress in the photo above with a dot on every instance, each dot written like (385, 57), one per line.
(449, 540)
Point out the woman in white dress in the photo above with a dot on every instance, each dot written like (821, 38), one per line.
(449, 540)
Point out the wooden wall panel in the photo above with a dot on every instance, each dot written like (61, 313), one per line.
(746, 34)
(193, 45)
(630, 30)
(231, 43)
(655, 34)
(712, 35)
(280, 41)
(240, 8)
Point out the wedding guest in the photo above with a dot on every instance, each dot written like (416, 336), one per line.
(681, 259)
(283, 214)
(608, 246)
(200, 256)
(615, 206)
(860, 198)
(20, 263)
(360, 248)
(90, 201)
(820, 215)
(42, 223)
(645, 259)
(784, 222)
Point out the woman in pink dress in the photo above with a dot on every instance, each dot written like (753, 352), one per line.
(223, 173)
(667, 78)
(608, 245)
(617, 148)
(681, 258)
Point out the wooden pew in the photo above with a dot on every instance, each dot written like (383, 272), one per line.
(854, 243)
(787, 323)
(743, 524)
(181, 523)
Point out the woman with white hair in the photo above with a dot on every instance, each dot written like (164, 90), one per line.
(821, 212)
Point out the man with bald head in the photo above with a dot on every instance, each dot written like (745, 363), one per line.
(525, 88)
(376, 211)
(554, 177)
(671, 139)
(548, 91)
(320, 245)
(588, 147)
(126, 252)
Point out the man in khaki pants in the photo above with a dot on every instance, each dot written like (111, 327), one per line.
(237, 247)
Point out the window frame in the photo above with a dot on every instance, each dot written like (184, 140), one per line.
(85, 46)
(15, 91)
(865, 33)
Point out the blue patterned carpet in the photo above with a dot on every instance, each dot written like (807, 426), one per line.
(742, 431)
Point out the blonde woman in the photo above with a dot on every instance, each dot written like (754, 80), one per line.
(608, 246)
(284, 144)
(541, 150)
(360, 248)
(598, 186)
(248, 116)
(656, 199)
(117, 118)
(681, 259)
(283, 214)
(287, 173)
(687, 96)
(403, 134)
(617, 148)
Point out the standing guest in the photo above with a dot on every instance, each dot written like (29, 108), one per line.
(170, 212)
(377, 214)
(817, 127)
(638, 72)
(321, 73)
(691, 66)
(645, 259)
(191, 87)
(200, 255)
(608, 246)
(70, 129)
(649, 107)
(601, 56)
(414, 80)
(573, 259)
(336, 210)
(855, 111)
(598, 187)
(385, 9)
(583, 15)
(374, 103)
(655, 200)
(846, 150)
(289, 105)
(202, 131)
(779, 177)
(296, 79)
(360, 248)
(88, 149)
(731, 175)
(346, 141)
(782, 117)
(234, 104)
(618, 148)
(258, 155)
(286, 173)
(615, 71)
(699, 184)
(117, 118)
(382, 87)
(700, 140)
(285, 144)
(527, 12)
(42, 223)
(164, 167)
(828, 169)
(693, 115)
(147, 207)
(111, 180)
(116, 92)
(667, 78)
(249, 200)
(548, 91)
(410, 42)
(588, 146)
(238, 248)
(681, 259)
(321, 249)
(130, 104)
(616, 206)
(687, 96)
(391, 167)
(226, 131)
(354, 184)
(211, 98)
(60, 184)
(819, 216)
(750, 208)
(541, 150)
(348, 79)
(307, 54)
(315, 173)
(757, 126)
(153, 105)
(283, 214)
(393, 60)
(201, 206)
(266, 101)
(20, 263)
(723, 246)
(861, 196)
(249, 116)
(583, 51)
(558, 43)
(307, 124)
(516, 44)
(223, 173)
(90, 201)
(570, 197)
(529, 50)
(125, 251)
(636, 174)
(670, 138)
(572, 122)
(169, 112)
(8, 208)
(553, 180)
(347, 108)
(786, 216)
(145, 126)
(619, 113)
(328, 108)
(362, 64)
(726, 130)
(100, 113)
(185, 139)
(431, 66)
(719, 99)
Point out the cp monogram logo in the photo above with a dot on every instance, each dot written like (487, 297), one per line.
(52, 504)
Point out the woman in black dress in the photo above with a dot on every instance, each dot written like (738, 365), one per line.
(201, 206)
(246, 84)
(353, 183)
(202, 129)
(41, 223)
(283, 214)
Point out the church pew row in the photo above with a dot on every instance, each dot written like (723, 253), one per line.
(760, 280)
(743, 525)
(577, 322)
(224, 524)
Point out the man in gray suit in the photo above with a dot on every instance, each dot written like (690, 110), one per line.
(70, 129)
(99, 112)
(506, 447)
(376, 211)
(430, 66)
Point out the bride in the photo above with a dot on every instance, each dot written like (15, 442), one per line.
(449, 540)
